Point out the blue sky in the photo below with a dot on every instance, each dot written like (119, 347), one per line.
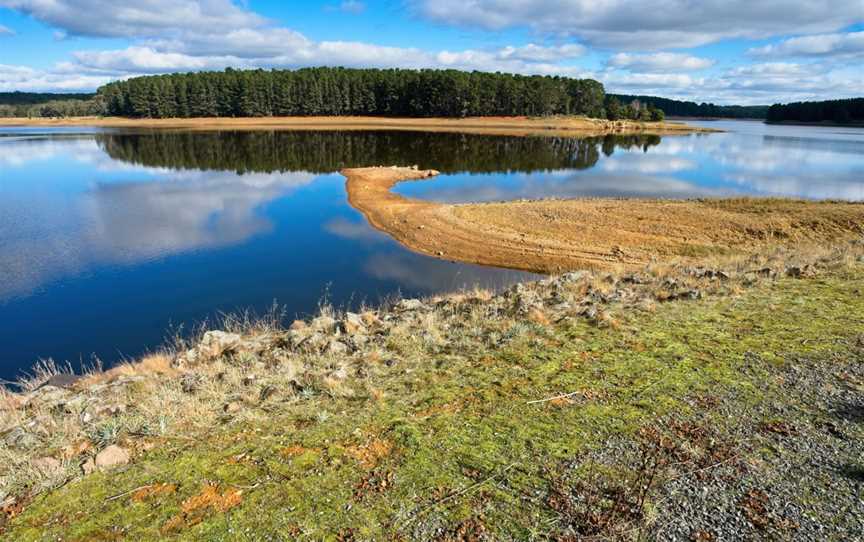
(732, 51)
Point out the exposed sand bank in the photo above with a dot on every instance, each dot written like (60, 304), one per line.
(476, 125)
(551, 236)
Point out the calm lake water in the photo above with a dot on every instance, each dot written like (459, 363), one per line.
(109, 239)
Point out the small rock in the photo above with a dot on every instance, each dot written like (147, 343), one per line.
(110, 457)
(232, 407)
(63, 380)
(370, 318)
(353, 323)
(589, 312)
(190, 382)
(335, 347)
(88, 466)
(574, 276)
(798, 272)
(324, 324)
(216, 343)
(314, 343)
(48, 395)
(47, 466)
(20, 438)
(298, 325)
(407, 305)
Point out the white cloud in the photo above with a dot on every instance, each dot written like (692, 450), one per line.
(848, 44)
(137, 59)
(24, 78)
(142, 18)
(164, 36)
(538, 53)
(352, 6)
(638, 24)
(6, 31)
(659, 62)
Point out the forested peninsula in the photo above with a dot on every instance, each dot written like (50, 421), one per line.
(351, 92)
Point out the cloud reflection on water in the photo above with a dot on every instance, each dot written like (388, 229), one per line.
(47, 236)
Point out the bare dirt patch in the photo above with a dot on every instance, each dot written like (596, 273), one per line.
(549, 236)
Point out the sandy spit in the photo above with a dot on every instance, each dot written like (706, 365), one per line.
(477, 125)
(550, 236)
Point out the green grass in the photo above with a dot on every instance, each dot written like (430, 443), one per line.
(461, 440)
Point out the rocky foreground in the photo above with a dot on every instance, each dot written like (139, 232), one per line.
(677, 402)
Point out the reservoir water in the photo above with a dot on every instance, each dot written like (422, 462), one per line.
(109, 240)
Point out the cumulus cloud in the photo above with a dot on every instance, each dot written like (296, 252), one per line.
(820, 45)
(352, 6)
(659, 62)
(637, 24)
(24, 78)
(187, 35)
(108, 18)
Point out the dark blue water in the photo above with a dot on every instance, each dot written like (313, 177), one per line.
(108, 240)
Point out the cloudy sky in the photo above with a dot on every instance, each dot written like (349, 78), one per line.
(725, 51)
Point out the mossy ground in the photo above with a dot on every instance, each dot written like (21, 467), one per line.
(453, 445)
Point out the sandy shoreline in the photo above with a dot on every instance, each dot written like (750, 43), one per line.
(551, 236)
(475, 125)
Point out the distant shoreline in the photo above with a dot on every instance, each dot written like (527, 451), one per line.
(827, 124)
(479, 125)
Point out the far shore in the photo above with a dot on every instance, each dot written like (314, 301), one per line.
(562, 126)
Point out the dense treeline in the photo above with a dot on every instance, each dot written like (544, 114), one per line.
(343, 91)
(850, 111)
(328, 151)
(46, 104)
(34, 98)
(54, 109)
(633, 110)
(678, 108)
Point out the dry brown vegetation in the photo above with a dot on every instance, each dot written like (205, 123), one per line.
(475, 125)
(557, 235)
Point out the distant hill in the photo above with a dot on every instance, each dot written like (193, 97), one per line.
(36, 98)
(679, 108)
(850, 111)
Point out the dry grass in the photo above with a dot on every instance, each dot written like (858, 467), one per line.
(550, 236)
(565, 126)
(152, 364)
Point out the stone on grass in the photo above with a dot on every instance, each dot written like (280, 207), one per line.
(353, 323)
(47, 466)
(112, 456)
(407, 305)
(216, 343)
(324, 324)
(336, 348)
(232, 407)
(298, 325)
(63, 380)
(88, 466)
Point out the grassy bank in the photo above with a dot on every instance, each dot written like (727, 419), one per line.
(675, 403)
